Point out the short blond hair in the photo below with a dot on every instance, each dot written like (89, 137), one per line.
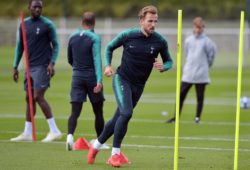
(147, 9)
(198, 21)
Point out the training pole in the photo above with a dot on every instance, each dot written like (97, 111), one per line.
(237, 126)
(178, 82)
(31, 109)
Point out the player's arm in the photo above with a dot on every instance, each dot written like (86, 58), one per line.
(69, 52)
(18, 54)
(96, 51)
(186, 46)
(108, 54)
(54, 42)
(55, 48)
(167, 61)
(210, 51)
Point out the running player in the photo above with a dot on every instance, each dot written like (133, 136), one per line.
(141, 47)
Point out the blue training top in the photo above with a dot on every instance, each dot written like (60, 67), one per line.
(139, 54)
(84, 54)
(42, 42)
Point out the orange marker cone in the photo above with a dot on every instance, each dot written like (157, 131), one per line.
(124, 159)
(81, 144)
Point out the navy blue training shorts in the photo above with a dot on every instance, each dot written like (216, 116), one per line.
(81, 87)
(39, 78)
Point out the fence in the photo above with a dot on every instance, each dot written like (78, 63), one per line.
(224, 33)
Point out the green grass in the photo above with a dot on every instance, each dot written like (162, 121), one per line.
(149, 142)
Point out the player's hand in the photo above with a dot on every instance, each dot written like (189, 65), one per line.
(98, 88)
(15, 75)
(108, 71)
(158, 65)
(51, 70)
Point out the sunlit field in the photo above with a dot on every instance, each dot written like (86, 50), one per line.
(149, 143)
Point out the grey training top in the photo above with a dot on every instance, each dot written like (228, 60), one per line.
(200, 52)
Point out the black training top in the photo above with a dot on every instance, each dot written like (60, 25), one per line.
(41, 42)
(84, 54)
(139, 54)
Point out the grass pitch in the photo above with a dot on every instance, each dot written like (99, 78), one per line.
(149, 143)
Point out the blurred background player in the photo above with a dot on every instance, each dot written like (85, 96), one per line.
(141, 47)
(84, 55)
(43, 51)
(200, 52)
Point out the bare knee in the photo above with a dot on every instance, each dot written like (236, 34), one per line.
(27, 99)
(38, 98)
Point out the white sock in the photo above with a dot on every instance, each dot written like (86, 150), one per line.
(70, 138)
(116, 151)
(97, 145)
(28, 128)
(52, 125)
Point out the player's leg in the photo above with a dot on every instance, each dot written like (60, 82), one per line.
(96, 100)
(200, 91)
(109, 127)
(28, 116)
(127, 96)
(78, 94)
(28, 124)
(76, 108)
(185, 87)
(107, 132)
(123, 93)
(99, 120)
(124, 98)
(26, 135)
(41, 83)
(46, 109)
(41, 101)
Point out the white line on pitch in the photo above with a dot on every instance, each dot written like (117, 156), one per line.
(151, 137)
(152, 146)
(21, 116)
(163, 98)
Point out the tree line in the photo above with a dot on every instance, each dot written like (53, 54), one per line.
(211, 9)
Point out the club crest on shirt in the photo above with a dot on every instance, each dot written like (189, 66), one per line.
(81, 34)
(37, 30)
(152, 50)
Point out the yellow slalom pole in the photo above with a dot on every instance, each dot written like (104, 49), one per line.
(178, 79)
(237, 126)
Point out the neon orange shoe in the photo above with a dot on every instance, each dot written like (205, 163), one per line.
(91, 155)
(124, 159)
(114, 160)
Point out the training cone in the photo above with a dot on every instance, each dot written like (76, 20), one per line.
(81, 144)
(124, 159)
